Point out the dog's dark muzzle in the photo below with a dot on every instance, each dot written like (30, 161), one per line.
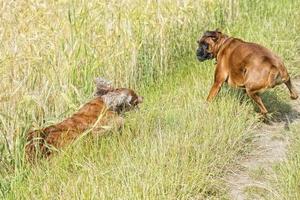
(202, 53)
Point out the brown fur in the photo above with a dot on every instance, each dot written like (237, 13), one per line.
(98, 115)
(244, 64)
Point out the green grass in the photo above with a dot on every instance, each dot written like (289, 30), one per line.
(176, 146)
(287, 183)
(160, 153)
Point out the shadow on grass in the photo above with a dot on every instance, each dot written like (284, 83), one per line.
(280, 110)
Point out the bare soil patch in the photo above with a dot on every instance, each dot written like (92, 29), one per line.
(251, 179)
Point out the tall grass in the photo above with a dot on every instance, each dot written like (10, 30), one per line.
(176, 146)
(51, 51)
(173, 147)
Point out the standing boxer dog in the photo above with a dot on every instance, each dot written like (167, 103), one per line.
(98, 115)
(243, 64)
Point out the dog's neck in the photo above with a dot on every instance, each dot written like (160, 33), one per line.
(220, 45)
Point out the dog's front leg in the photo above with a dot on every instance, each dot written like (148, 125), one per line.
(220, 77)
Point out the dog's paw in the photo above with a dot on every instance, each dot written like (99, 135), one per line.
(265, 118)
(294, 97)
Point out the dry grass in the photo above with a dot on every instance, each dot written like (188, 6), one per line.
(176, 146)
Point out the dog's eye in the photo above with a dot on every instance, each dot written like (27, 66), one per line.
(205, 46)
(214, 39)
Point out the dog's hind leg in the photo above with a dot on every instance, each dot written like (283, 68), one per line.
(287, 81)
(254, 95)
(291, 88)
(277, 77)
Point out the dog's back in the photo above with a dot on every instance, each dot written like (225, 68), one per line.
(93, 114)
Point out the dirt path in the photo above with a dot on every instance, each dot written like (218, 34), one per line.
(252, 178)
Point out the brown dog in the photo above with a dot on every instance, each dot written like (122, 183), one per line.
(243, 64)
(98, 115)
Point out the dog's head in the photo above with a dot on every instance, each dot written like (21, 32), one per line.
(117, 99)
(207, 43)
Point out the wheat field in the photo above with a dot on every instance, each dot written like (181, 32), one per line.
(175, 146)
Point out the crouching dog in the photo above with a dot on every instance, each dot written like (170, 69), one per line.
(101, 114)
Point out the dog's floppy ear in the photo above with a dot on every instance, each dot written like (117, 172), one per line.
(103, 86)
(208, 33)
(215, 35)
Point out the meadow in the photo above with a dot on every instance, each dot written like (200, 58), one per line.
(176, 146)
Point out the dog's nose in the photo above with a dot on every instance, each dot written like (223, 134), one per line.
(140, 99)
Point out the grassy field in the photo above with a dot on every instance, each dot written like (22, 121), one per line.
(176, 146)
(288, 173)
